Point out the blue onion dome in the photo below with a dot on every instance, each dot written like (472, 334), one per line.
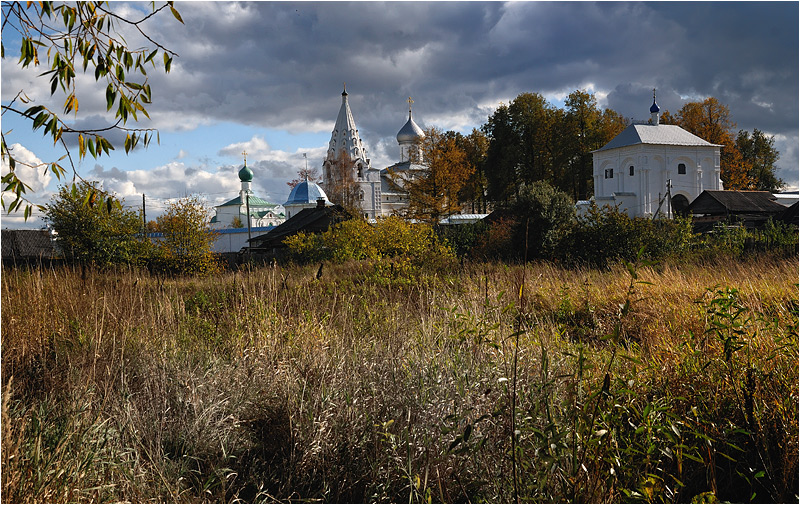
(306, 192)
(245, 174)
(654, 108)
(410, 132)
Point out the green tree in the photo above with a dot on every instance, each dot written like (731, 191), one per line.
(759, 154)
(543, 217)
(71, 37)
(94, 228)
(586, 128)
(187, 239)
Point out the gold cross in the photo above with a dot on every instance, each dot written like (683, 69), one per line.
(410, 101)
(244, 153)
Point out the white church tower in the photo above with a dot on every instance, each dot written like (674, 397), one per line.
(409, 138)
(345, 145)
(652, 168)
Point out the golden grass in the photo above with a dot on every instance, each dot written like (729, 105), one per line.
(269, 384)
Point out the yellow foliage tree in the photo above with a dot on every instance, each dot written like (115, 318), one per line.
(187, 239)
(436, 193)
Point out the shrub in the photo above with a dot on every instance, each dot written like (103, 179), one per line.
(605, 235)
(356, 239)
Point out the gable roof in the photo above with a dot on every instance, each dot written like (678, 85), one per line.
(313, 220)
(21, 244)
(735, 202)
(254, 202)
(662, 134)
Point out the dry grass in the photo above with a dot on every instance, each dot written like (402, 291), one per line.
(271, 385)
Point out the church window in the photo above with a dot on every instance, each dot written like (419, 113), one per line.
(609, 173)
(360, 172)
(361, 195)
(630, 169)
(681, 169)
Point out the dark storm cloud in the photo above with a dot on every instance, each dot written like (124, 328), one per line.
(282, 65)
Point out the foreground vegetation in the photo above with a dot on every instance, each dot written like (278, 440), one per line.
(362, 382)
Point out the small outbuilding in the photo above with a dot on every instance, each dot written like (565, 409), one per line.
(749, 208)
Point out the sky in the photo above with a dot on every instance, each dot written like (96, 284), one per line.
(266, 78)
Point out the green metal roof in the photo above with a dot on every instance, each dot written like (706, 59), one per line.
(254, 202)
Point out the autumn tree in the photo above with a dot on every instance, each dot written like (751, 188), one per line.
(759, 155)
(67, 38)
(187, 239)
(94, 227)
(475, 146)
(435, 193)
(340, 183)
(311, 174)
(711, 121)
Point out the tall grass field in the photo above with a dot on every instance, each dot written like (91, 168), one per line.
(362, 382)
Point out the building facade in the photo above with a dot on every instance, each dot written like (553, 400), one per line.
(379, 192)
(654, 168)
(234, 213)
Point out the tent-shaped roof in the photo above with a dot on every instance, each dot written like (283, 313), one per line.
(661, 134)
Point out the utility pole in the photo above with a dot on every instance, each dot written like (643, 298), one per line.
(669, 196)
(144, 217)
(249, 235)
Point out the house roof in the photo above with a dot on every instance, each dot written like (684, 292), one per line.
(254, 202)
(27, 244)
(662, 134)
(735, 202)
(312, 220)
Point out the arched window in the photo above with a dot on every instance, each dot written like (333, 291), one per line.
(361, 195)
(681, 169)
(360, 171)
(630, 169)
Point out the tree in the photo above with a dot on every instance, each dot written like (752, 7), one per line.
(436, 192)
(475, 146)
(71, 36)
(543, 216)
(312, 174)
(340, 184)
(759, 154)
(586, 128)
(93, 227)
(711, 121)
(187, 239)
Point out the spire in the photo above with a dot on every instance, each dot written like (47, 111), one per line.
(345, 134)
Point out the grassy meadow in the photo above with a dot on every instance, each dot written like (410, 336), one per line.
(366, 383)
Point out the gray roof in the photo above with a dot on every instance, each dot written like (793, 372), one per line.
(662, 134)
(735, 202)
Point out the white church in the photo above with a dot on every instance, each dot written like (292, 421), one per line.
(380, 191)
(654, 168)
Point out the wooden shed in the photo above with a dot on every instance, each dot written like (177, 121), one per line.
(750, 208)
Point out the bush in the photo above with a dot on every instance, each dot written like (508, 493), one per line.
(356, 239)
(605, 235)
